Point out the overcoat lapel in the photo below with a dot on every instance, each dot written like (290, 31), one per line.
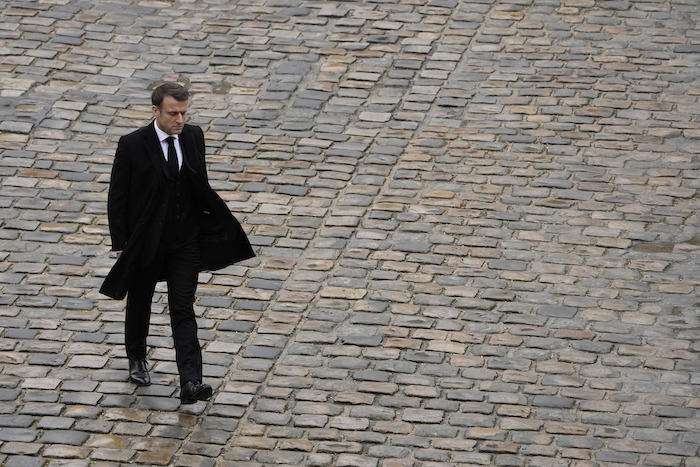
(154, 151)
(189, 151)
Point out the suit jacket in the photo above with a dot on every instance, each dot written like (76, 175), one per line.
(137, 205)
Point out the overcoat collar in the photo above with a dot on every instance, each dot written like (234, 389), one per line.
(155, 151)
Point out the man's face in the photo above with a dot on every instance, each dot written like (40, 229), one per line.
(171, 115)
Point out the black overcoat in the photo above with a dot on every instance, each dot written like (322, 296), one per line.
(137, 204)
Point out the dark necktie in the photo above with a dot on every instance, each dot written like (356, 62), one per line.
(172, 157)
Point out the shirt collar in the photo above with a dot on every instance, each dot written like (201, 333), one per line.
(161, 134)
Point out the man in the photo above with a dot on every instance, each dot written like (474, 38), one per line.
(167, 223)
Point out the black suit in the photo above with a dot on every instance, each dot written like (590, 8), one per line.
(168, 228)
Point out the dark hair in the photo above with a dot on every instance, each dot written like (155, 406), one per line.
(169, 89)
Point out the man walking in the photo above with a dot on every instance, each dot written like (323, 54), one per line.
(167, 223)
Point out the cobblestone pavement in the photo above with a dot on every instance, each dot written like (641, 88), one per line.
(476, 224)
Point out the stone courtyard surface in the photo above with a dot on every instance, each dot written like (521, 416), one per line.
(476, 225)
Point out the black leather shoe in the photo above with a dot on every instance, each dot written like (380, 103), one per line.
(138, 372)
(194, 391)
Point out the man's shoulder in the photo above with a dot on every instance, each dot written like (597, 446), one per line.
(194, 129)
(137, 134)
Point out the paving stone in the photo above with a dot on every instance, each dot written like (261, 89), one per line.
(18, 434)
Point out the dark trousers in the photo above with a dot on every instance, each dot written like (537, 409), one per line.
(178, 264)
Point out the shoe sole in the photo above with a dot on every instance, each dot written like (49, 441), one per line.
(201, 395)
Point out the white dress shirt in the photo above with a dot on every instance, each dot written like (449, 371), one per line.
(162, 136)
